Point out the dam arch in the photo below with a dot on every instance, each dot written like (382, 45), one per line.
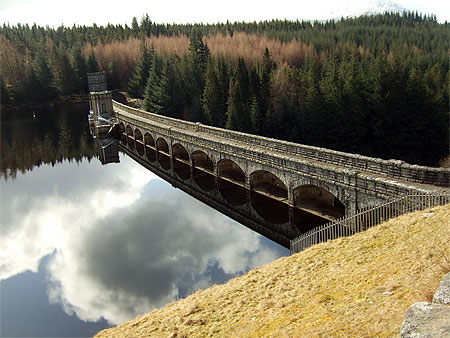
(314, 205)
(181, 162)
(269, 197)
(231, 182)
(203, 170)
(139, 140)
(122, 133)
(163, 153)
(150, 148)
(130, 137)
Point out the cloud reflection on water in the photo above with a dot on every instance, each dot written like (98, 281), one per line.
(124, 242)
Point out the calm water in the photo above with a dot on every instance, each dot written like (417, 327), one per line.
(85, 246)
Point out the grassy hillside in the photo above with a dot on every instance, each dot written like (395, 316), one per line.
(359, 286)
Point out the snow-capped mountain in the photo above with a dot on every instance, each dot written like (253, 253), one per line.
(365, 7)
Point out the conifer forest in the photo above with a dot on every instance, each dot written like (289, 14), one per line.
(373, 85)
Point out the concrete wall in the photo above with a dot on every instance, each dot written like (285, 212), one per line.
(351, 187)
(391, 168)
(355, 189)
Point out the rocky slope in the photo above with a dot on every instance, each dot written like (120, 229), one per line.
(359, 286)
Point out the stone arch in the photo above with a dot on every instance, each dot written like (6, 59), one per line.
(130, 137)
(314, 206)
(139, 139)
(163, 153)
(231, 180)
(150, 148)
(181, 163)
(203, 170)
(269, 197)
(123, 135)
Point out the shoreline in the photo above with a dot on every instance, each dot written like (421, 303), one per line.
(61, 101)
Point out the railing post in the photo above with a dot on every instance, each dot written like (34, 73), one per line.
(358, 222)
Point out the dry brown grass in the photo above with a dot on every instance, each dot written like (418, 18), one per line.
(359, 286)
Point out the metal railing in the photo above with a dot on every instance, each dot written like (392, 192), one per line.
(364, 219)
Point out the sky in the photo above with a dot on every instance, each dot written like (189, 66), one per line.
(118, 240)
(85, 12)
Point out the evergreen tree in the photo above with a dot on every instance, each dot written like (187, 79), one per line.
(350, 102)
(65, 76)
(164, 93)
(153, 88)
(198, 58)
(388, 105)
(92, 63)
(135, 27)
(199, 51)
(171, 92)
(310, 102)
(256, 115)
(112, 76)
(256, 103)
(215, 95)
(146, 25)
(5, 96)
(239, 106)
(136, 85)
(280, 118)
(80, 68)
(44, 78)
(266, 69)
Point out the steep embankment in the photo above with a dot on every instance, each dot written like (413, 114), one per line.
(359, 286)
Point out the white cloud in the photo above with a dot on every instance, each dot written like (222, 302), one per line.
(36, 217)
(122, 243)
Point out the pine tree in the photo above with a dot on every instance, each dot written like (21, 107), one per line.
(351, 103)
(388, 77)
(137, 83)
(311, 104)
(256, 116)
(146, 25)
(278, 119)
(44, 78)
(80, 68)
(215, 95)
(198, 59)
(32, 90)
(153, 88)
(92, 63)
(65, 76)
(171, 94)
(199, 51)
(239, 106)
(266, 70)
(256, 103)
(112, 76)
(164, 93)
(135, 27)
(5, 95)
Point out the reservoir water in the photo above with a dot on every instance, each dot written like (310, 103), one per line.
(85, 246)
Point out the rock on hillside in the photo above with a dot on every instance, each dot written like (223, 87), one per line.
(360, 286)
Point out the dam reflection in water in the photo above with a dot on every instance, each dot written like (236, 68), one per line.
(103, 242)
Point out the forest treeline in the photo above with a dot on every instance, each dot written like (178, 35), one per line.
(49, 139)
(374, 85)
